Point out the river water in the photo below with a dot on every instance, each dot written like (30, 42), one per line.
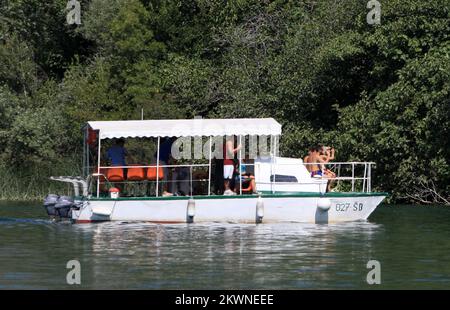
(411, 243)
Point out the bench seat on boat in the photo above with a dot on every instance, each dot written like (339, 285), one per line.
(136, 174)
(115, 175)
(151, 173)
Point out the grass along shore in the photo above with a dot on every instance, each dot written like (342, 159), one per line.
(33, 183)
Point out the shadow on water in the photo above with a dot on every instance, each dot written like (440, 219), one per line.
(411, 243)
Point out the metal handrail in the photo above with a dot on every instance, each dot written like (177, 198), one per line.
(353, 164)
(191, 180)
(367, 187)
(153, 166)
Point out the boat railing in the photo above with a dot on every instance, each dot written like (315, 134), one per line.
(157, 180)
(354, 173)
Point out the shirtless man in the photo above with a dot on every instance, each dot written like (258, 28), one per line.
(315, 162)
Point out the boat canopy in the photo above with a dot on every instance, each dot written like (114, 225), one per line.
(187, 128)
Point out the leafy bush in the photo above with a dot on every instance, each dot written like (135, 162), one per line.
(378, 93)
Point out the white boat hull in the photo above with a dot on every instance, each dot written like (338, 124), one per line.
(235, 209)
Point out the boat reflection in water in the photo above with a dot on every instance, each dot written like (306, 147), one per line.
(210, 256)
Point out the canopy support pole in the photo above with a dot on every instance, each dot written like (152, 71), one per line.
(157, 168)
(98, 164)
(240, 165)
(88, 154)
(275, 145)
(190, 182)
(275, 151)
(353, 177)
(209, 169)
(271, 163)
(364, 178)
(84, 153)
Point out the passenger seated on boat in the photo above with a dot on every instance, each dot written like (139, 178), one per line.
(315, 162)
(329, 153)
(245, 173)
(311, 162)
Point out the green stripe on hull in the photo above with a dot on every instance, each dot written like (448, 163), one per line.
(263, 195)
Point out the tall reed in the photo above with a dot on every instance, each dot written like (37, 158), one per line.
(32, 182)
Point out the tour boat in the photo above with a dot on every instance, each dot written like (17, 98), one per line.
(285, 190)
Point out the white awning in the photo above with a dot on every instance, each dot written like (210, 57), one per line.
(185, 128)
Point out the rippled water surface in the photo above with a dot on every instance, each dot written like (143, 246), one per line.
(412, 243)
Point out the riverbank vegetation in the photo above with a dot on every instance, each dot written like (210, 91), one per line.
(375, 92)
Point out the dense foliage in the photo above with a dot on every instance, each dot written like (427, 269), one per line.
(375, 92)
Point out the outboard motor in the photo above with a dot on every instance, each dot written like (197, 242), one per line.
(49, 204)
(63, 207)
